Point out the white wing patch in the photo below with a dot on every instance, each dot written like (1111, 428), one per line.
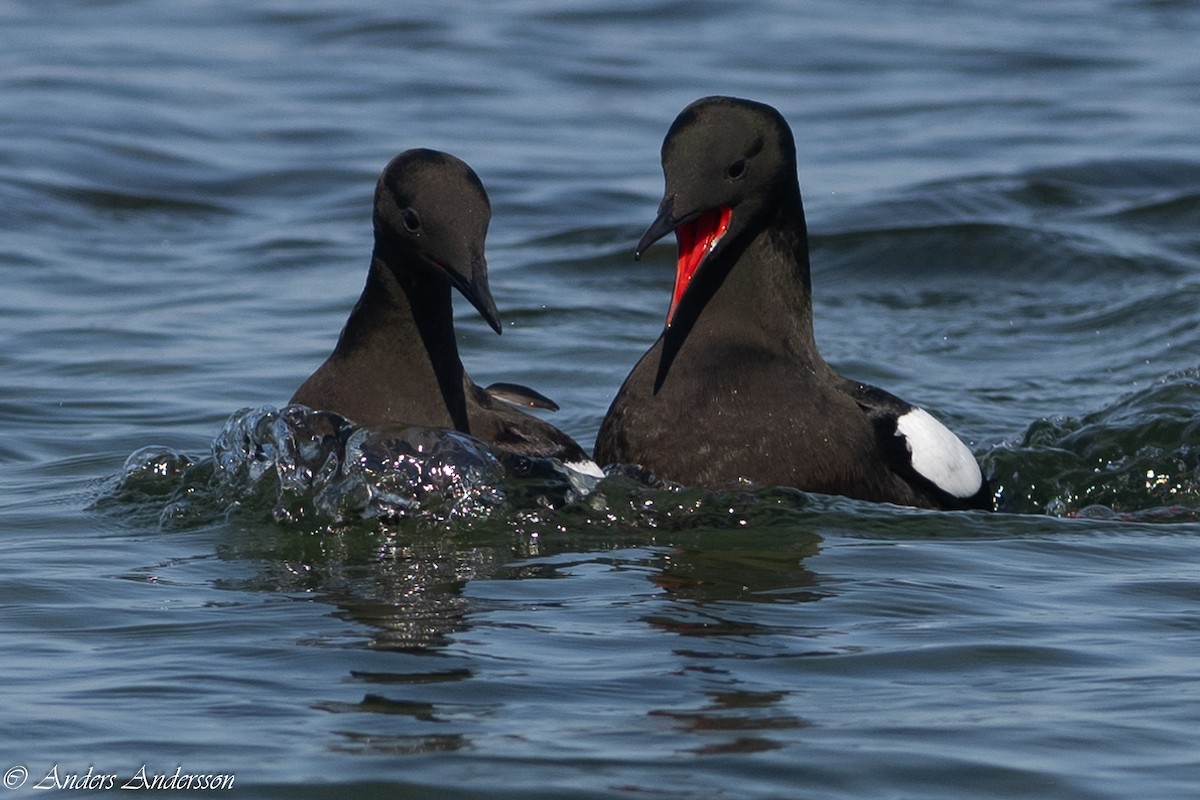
(939, 455)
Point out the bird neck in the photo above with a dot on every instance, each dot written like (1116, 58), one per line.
(403, 327)
(766, 294)
(756, 295)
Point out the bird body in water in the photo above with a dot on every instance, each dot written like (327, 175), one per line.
(734, 389)
(396, 362)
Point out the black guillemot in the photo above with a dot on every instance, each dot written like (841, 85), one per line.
(396, 362)
(734, 389)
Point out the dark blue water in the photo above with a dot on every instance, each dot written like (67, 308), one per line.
(1005, 209)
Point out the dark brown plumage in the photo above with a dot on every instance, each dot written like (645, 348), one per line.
(735, 388)
(396, 362)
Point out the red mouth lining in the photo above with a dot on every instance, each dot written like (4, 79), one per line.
(696, 239)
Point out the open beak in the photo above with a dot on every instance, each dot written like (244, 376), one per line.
(697, 234)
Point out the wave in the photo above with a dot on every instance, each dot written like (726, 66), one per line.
(1137, 459)
(320, 471)
(1119, 219)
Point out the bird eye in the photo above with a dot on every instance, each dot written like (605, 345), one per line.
(737, 169)
(412, 223)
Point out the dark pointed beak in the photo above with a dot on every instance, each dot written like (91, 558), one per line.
(663, 224)
(475, 289)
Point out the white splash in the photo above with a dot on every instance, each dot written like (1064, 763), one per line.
(588, 467)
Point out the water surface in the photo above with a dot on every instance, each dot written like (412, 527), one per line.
(1004, 206)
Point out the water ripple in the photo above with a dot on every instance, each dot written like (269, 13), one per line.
(319, 470)
(1138, 459)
